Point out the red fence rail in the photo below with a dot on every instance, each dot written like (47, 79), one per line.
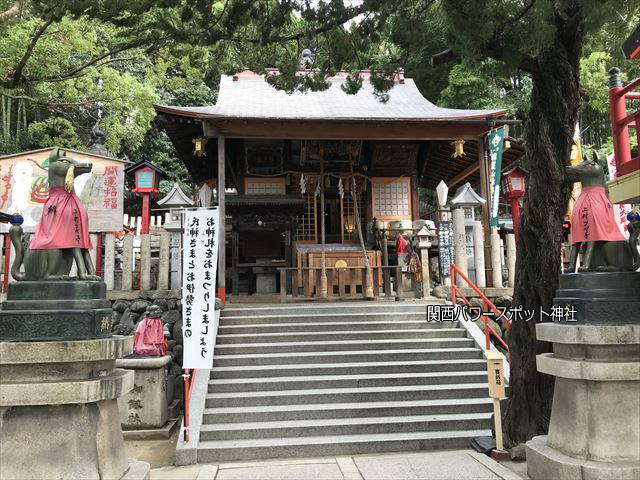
(486, 305)
(621, 121)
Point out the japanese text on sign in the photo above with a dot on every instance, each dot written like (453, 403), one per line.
(199, 266)
(445, 247)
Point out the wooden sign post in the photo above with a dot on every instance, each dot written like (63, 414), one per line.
(496, 392)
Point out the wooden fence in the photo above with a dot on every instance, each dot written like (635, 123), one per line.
(344, 282)
(131, 265)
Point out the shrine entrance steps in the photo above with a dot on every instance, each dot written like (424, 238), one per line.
(341, 378)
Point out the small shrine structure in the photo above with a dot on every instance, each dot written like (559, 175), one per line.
(293, 160)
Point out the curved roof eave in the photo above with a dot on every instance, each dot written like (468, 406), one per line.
(193, 114)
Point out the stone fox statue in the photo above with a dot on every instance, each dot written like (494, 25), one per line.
(593, 225)
(62, 235)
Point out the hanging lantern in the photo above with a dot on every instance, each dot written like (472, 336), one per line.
(340, 188)
(199, 146)
(317, 193)
(458, 148)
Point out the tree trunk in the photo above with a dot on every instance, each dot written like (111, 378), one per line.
(548, 135)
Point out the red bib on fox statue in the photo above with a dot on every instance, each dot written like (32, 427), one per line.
(149, 338)
(64, 222)
(593, 218)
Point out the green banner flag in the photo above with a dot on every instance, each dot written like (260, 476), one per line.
(496, 143)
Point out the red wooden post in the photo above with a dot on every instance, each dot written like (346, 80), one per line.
(515, 214)
(145, 214)
(618, 111)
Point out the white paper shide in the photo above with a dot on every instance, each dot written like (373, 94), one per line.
(199, 267)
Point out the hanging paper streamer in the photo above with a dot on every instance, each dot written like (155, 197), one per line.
(303, 184)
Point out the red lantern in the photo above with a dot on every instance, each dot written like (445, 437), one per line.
(147, 182)
(513, 186)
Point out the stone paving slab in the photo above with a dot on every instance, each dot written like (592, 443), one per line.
(440, 465)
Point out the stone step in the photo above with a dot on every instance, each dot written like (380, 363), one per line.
(346, 426)
(327, 308)
(347, 345)
(257, 371)
(285, 384)
(336, 395)
(212, 451)
(346, 410)
(389, 324)
(258, 358)
(225, 339)
(311, 317)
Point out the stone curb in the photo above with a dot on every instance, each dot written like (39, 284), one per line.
(587, 370)
(69, 392)
(65, 351)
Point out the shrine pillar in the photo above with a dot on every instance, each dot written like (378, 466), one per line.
(478, 255)
(222, 291)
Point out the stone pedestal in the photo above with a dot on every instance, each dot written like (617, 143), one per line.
(594, 432)
(54, 310)
(59, 413)
(146, 405)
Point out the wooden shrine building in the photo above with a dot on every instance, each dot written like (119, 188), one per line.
(273, 148)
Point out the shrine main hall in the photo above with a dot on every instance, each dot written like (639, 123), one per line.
(269, 150)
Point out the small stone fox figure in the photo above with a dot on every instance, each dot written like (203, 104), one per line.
(62, 235)
(593, 225)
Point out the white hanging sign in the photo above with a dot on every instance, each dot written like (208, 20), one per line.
(199, 267)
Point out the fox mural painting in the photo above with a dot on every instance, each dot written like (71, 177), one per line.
(25, 182)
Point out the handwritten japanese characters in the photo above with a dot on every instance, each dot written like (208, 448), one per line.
(200, 255)
(446, 252)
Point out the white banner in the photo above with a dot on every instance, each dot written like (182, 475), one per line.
(199, 267)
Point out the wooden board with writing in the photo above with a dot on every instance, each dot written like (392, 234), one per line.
(446, 252)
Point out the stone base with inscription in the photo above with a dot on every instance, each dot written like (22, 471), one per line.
(146, 406)
(594, 431)
(55, 310)
(59, 412)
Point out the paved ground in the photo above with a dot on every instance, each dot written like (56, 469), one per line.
(441, 465)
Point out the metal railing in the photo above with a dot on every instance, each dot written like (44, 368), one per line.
(486, 304)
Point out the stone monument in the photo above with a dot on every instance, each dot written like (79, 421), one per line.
(59, 383)
(594, 430)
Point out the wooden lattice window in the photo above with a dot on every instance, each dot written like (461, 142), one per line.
(391, 198)
(307, 231)
(264, 186)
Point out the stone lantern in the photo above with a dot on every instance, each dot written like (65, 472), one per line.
(466, 199)
(175, 201)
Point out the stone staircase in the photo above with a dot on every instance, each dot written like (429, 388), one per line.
(341, 378)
